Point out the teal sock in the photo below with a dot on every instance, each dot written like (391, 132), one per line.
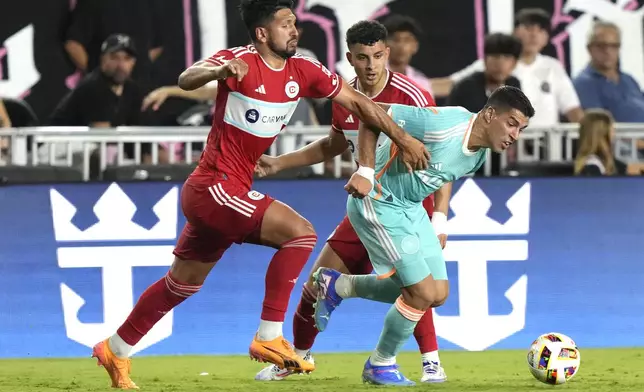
(400, 322)
(368, 287)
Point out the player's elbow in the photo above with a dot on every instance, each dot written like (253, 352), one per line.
(186, 81)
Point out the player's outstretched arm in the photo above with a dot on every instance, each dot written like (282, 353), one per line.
(203, 72)
(414, 154)
(319, 151)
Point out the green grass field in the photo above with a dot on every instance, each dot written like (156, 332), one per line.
(601, 370)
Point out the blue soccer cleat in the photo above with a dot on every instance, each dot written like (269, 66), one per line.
(327, 299)
(385, 375)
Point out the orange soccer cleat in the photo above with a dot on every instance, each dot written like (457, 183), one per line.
(279, 352)
(117, 368)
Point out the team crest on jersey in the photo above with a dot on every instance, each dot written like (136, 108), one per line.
(252, 115)
(438, 166)
(292, 89)
(254, 195)
(401, 123)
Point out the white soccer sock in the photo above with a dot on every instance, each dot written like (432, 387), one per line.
(431, 356)
(301, 353)
(378, 359)
(345, 286)
(119, 347)
(269, 330)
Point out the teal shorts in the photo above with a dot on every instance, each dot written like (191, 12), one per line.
(401, 241)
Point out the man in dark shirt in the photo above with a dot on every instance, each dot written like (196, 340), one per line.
(501, 55)
(93, 21)
(106, 97)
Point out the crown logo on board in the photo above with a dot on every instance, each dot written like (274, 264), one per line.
(471, 206)
(115, 211)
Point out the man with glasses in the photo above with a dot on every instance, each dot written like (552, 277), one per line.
(602, 84)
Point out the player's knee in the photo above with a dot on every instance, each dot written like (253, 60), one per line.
(304, 228)
(419, 296)
(441, 292)
(302, 231)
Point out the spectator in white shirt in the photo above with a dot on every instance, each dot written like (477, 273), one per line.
(543, 78)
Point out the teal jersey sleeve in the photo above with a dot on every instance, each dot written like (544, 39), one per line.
(429, 123)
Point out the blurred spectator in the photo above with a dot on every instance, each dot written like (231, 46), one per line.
(595, 156)
(404, 33)
(602, 85)
(93, 21)
(107, 97)
(5, 121)
(501, 55)
(543, 79)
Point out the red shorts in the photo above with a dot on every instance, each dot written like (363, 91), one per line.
(218, 215)
(345, 243)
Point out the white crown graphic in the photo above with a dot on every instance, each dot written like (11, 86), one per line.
(115, 211)
(471, 205)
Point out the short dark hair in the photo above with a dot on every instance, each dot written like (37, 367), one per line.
(507, 97)
(502, 44)
(533, 16)
(366, 32)
(402, 24)
(257, 13)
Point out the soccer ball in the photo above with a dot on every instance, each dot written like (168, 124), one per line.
(553, 358)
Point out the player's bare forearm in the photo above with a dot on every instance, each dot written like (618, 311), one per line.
(319, 151)
(199, 75)
(371, 113)
(441, 198)
(367, 142)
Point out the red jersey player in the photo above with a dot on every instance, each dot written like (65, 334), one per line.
(259, 88)
(343, 251)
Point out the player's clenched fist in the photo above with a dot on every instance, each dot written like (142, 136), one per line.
(266, 166)
(414, 154)
(236, 68)
(359, 186)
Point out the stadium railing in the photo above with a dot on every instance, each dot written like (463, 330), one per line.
(73, 146)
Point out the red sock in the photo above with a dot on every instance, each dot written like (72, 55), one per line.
(282, 273)
(425, 333)
(304, 330)
(153, 304)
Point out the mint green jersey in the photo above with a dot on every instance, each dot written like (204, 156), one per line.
(445, 132)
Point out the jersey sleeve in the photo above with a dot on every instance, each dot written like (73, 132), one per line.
(423, 123)
(317, 80)
(221, 58)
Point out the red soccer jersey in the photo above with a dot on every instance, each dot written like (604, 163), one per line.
(250, 114)
(399, 89)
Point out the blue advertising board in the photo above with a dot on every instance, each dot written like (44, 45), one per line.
(525, 257)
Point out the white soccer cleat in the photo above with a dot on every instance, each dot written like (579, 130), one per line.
(433, 372)
(274, 373)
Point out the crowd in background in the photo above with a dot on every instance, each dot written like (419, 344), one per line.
(114, 45)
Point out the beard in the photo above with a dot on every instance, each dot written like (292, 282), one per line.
(284, 53)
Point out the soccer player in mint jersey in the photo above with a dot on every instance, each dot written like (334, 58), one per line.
(343, 251)
(259, 88)
(386, 211)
